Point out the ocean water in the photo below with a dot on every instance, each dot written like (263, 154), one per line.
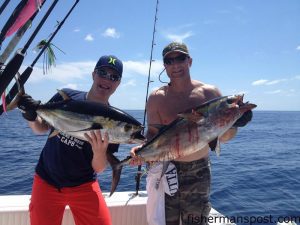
(255, 180)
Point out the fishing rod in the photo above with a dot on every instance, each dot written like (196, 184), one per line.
(3, 6)
(12, 19)
(138, 175)
(13, 42)
(17, 37)
(15, 63)
(26, 74)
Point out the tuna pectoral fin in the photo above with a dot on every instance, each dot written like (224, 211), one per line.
(54, 133)
(193, 116)
(94, 126)
(116, 170)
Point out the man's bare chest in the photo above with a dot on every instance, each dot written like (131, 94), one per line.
(172, 106)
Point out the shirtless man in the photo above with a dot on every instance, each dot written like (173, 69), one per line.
(191, 201)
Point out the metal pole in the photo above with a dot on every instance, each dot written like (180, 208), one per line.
(138, 175)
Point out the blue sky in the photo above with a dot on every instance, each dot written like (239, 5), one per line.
(244, 46)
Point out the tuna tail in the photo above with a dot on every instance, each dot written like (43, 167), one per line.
(116, 174)
(125, 161)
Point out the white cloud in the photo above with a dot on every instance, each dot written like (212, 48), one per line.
(76, 30)
(297, 77)
(111, 32)
(142, 67)
(298, 48)
(64, 73)
(267, 82)
(179, 37)
(259, 82)
(89, 37)
(275, 81)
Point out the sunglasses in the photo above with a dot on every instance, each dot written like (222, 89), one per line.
(178, 59)
(104, 74)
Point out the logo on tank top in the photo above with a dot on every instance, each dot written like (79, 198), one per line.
(70, 140)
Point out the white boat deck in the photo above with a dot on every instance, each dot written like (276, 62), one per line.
(124, 207)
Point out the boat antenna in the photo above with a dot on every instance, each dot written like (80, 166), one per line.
(139, 173)
(27, 72)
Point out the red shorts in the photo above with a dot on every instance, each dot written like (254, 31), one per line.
(85, 201)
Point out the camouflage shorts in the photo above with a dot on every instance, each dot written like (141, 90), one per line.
(191, 201)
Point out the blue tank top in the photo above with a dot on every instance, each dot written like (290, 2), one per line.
(65, 161)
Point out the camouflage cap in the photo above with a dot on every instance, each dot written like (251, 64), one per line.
(175, 47)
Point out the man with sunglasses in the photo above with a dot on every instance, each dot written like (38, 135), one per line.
(189, 201)
(67, 167)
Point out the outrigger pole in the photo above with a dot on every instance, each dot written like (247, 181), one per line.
(26, 74)
(138, 175)
(2, 7)
(15, 63)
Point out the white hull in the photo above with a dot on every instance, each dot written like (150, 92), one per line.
(125, 209)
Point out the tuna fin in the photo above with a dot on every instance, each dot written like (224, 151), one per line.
(193, 116)
(218, 148)
(63, 95)
(215, 146)
(54, 133)
(117, 169)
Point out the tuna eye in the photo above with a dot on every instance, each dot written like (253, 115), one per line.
(127, 127)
